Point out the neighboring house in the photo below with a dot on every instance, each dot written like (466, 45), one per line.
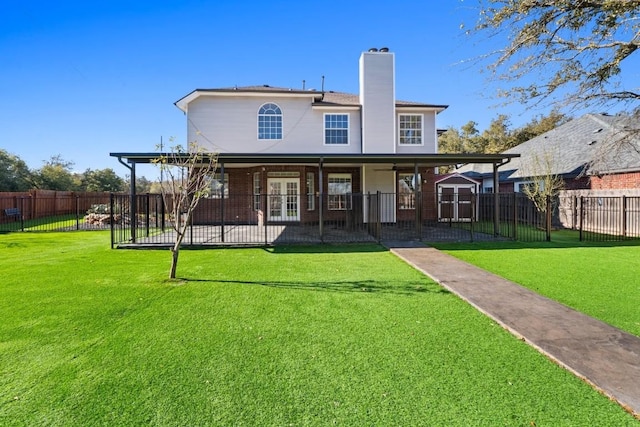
(595, 151)
(313, 152)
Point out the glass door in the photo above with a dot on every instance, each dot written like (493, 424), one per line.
(284, 199)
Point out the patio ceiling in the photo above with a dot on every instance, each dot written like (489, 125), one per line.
(288, 158)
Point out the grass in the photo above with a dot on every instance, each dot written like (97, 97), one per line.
(331, 335)
(596, 278)
(56, 222)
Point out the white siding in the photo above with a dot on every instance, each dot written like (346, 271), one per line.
(230, 125)
(377, 97)
(429, 134)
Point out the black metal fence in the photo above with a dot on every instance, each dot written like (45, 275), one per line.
(63, 211)
(598, 218)
(259, 219)
(266, 219)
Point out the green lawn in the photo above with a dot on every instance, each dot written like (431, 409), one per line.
(292, 336)
(601, 279)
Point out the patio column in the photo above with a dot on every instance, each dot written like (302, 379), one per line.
(417, 202)
(221, 203)
(320, 201)
(496, 201)
(133, 208)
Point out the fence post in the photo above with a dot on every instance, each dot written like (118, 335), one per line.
(163, 212)
(548, 218)
(581, 216)
(264, 219)
(77, 212)
(515, 216)
(378, 219)
(22, 213)
(574, 213)
(147, 217)
(624, 216)
(473, 213)
(111, 217)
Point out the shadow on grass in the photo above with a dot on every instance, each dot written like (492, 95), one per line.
(327, 248)
(369, 286)
(558, 242)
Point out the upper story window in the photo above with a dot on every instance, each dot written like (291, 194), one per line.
(269, 122)
(410, 128)
(336, 129)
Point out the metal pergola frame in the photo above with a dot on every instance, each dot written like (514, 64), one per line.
(130, 160)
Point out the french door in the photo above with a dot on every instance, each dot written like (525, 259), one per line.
(283, 202)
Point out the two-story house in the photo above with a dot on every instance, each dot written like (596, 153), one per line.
(311, 156)
(328, 133)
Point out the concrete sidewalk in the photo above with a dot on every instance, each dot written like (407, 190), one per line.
(602, 355)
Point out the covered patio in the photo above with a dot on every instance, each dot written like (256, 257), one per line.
(366, 220)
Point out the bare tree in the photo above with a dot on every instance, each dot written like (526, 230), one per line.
(545, 184)
(187, 179)
(569, 52)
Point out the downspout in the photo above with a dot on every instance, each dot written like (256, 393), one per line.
(132, 198)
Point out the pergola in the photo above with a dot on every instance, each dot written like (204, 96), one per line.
(130, 160)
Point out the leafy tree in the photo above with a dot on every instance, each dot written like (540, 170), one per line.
(563, 51)
(538, 126)
(14, 173)
(143, 185)
(187, 179)
(101, 180)
(56, 174)
(498, 137)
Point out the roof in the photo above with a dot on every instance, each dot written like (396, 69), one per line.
(593, 143)
(303, 158)
(319, 98)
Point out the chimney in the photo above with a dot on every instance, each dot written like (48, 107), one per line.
(377, 97)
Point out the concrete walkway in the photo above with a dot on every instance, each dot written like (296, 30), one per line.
(605, 357)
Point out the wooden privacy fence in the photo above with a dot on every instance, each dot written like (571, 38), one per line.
(35, 205)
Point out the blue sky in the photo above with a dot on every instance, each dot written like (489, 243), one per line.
(82, 79)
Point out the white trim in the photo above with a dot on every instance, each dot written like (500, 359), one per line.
(183, 103)
(399, 130)
(336, 107)
(455, 203)
(324, 129)
(258, 123)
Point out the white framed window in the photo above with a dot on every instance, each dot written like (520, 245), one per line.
(339, 191)
(269, 121)
(311, 200)
(336, 129)
(256, 191)
(410, 129)
(217, 183)
(406, 191)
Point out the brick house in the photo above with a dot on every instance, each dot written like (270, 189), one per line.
(592, 152)
(309, 156)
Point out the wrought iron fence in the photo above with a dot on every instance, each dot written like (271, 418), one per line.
(265, 219)
(600, 218)
(54, 211)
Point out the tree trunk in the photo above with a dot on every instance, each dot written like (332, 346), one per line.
(174, 260)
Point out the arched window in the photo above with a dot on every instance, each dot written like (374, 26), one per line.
(269, 122)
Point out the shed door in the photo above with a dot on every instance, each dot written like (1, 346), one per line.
(455, 202)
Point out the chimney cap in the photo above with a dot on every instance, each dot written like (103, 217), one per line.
(384, 49)
(373, 49)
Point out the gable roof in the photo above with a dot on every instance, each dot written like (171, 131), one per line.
(589, 144)
(319, 98)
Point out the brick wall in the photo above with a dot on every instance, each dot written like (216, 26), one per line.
(616, 181)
